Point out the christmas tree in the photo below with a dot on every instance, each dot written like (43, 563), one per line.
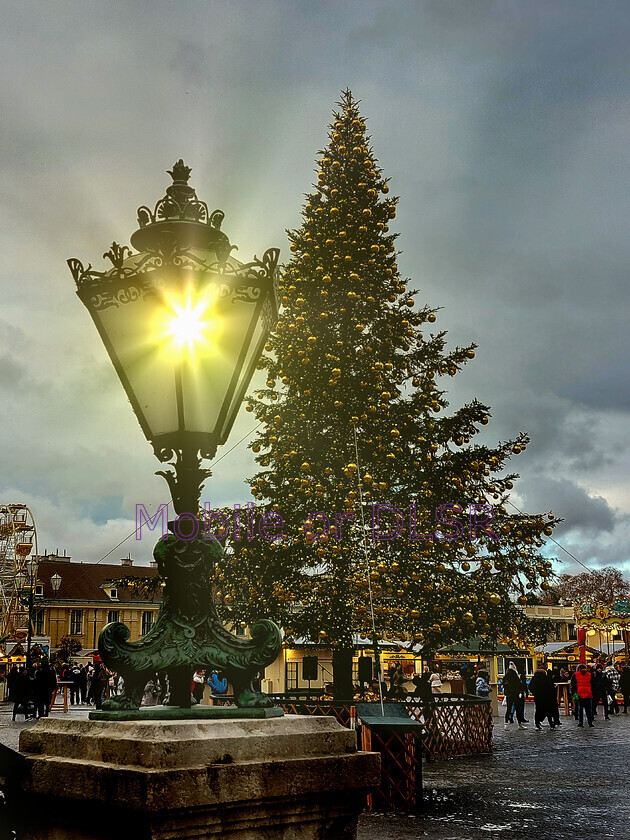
(353, 417)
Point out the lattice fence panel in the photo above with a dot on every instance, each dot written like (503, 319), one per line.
(339, 711)
(401, 769)
(453, 729)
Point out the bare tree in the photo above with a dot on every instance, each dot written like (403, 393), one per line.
(604, 585)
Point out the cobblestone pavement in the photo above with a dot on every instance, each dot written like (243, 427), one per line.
(569, 784)
(10, 730)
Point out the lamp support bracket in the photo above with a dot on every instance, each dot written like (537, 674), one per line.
(187, 634)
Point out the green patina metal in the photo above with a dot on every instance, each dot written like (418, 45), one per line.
(180, 240)
(187, 634)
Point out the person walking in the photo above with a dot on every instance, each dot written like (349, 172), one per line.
(513, 691)
(22, 694)
(613, 677)
(99, 684)
(624, 687)
(45, 685)
(554, 708)
(83, 684)
(12, 681)
(584, 689)
(574, 695)
(541, 688)
(75, 688)
(522, 697)
(600, 691)
(89, 679)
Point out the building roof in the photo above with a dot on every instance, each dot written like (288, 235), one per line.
(552, 648)
(86, 581)
(480, 646)
(294, 642)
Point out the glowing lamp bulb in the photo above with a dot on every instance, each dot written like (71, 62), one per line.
(187, 326)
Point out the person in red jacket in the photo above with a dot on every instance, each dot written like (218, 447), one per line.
(584, 686)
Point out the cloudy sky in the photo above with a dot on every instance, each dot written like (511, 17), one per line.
(504, 129)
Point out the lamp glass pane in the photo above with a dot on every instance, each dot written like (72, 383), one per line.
(208, 372)
(253, 353)
(137, 351)
(184, 344)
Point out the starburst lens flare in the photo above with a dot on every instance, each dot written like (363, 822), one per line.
(190, 323)
(187, 325)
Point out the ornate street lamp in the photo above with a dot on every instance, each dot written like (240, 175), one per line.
(55, 583)
(184, 324)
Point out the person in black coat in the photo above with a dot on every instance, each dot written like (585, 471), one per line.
(574, 698)
(422, 688)
(542, 689)
(99, 684)
(600, 690)
(12, 680)
(624, 687)
(22, 694)
(467, 673)
(45, 684)
(513, 691)
(553, 677)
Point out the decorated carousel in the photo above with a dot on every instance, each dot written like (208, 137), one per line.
(606, 627)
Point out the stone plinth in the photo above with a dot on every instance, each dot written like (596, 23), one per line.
(287, 778)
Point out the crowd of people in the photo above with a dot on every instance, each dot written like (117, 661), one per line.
(31, 689)
(427, 685)
(592, 686)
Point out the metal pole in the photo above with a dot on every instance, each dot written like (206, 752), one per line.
(30, 626)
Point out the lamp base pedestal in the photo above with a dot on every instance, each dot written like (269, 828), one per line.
(287, 778)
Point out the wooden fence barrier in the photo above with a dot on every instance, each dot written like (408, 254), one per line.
(398, 738)
(453, 724)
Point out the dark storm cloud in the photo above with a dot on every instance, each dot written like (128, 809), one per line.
(503, 127)
(532, 230)
(580, 511)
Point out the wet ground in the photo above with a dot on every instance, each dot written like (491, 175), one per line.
(569, 784)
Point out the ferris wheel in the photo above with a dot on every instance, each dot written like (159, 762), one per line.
(17, 536)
